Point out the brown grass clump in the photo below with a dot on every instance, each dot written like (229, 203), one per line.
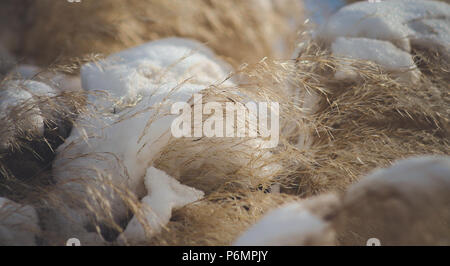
(371, 122)
(222, 217)
(241, 31)
(211, 164)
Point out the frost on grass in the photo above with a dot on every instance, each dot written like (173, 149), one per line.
(18, 224)
(164, 194)
(403, 23)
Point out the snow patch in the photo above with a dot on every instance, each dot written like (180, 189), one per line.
(417, 172)
(55, 80)
(404, 23)
(383, 53)
(165, 194)
(398, 21)
(153, 69)
(288, 225)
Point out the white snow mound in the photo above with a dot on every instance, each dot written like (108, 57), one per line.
(154, 69)
(123, 141)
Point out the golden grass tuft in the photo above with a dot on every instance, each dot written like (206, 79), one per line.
(240, 31)
(369, 123)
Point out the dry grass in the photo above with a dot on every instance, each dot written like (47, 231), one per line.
(358, 126)
(240, 31)
(369, 123)
(222, 217)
